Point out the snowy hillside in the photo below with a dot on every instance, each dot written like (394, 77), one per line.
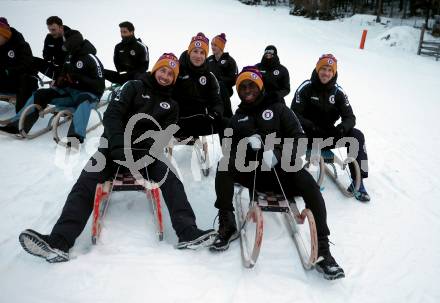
(388, 248)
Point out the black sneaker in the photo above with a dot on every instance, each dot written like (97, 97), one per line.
(38, 245)
(194, 238)
(227, 231)
(329, 268)
(10, 129)
(361, 194)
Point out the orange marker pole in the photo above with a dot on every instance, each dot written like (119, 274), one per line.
(364, 36)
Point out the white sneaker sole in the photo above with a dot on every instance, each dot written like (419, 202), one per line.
(36, 246)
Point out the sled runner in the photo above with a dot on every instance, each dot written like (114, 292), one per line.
(8, 102)
(337, 169)
(250, 223)
(111, 91)
(58, 116)
(125, 182)
(200, 147)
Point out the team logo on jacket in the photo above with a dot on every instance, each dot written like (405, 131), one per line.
(331, 99)
(223, 61)
(11, 54)
(202, 80)
(267, 114)
(165, 105)
(79, 64)
(132, 52)
(276, 72)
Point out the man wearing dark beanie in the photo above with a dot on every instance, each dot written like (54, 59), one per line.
(223, 66)
(16, 69)
(131, 57)
(275, 76)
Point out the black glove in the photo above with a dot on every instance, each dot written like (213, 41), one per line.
(117, 154)
(215, 116)
(339, 131)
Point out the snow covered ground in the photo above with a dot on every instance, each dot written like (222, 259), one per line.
(389, 248)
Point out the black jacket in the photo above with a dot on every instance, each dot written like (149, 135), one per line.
(269, 114)
(196, 91)
(139, 96)
(276, 77)
(84, 69)
(131, 56)
(52, 51)
(15, 57)
(319, 106)
(225, 70)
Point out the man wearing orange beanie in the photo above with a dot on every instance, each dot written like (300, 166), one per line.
(197, 92)
(319, 103)
(258, 117)
(16, 67)
(223, 66)
(150, 95)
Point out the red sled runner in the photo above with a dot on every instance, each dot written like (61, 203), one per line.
(125, 182)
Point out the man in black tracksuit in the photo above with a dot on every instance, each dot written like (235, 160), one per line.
(17, 74)
(319, 103)
(258, 116)
(53, 54)
(131, 57)
(275, 76)
(197, 93)
(150, 95)
(80, 86)
(223, 66)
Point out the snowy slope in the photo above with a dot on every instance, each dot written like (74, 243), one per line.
(388, 248)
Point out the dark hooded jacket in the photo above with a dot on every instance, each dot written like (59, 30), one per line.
(15, 57)
(267, 115)
(225, 70)
(197, 90)
(82, 68)
(52, 51)
(319, 106)
(275, 76)
(131, 56)
(139, 96)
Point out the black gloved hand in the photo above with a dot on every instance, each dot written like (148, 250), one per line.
(215, 116)
(117, 154)
(339, 131)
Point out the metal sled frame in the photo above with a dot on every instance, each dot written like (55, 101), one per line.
(327, 166)
(10, 99)
(113, 89)
(200, 147)
(125, 182)
(270, 202)
(58, 117)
